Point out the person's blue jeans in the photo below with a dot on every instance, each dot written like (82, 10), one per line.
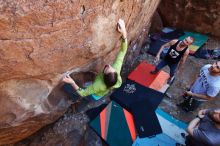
(164, 63)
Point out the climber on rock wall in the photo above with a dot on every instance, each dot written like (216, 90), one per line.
(108, 79)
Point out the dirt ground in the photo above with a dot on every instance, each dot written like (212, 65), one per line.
(72, 129)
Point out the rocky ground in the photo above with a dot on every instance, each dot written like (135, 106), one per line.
(72, 129)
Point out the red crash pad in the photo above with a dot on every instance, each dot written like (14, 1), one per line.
(141, 74)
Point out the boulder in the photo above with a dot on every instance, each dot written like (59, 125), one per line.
(194, 15)
(40, 40)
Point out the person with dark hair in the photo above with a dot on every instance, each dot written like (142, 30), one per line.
(110, 77)
(204, 88)
(175, 57)
(204, 130)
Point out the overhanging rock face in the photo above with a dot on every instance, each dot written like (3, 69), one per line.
(194, 15)
(41, 40)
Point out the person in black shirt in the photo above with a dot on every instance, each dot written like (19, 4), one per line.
(175, 57)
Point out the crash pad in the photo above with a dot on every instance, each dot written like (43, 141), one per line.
(173, 132)
(200, 39)
(131, 92)
(145, 119)
(115, 125)
(141, 74)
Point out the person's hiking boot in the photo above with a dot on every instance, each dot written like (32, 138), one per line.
(171, 80)
(153, 72)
